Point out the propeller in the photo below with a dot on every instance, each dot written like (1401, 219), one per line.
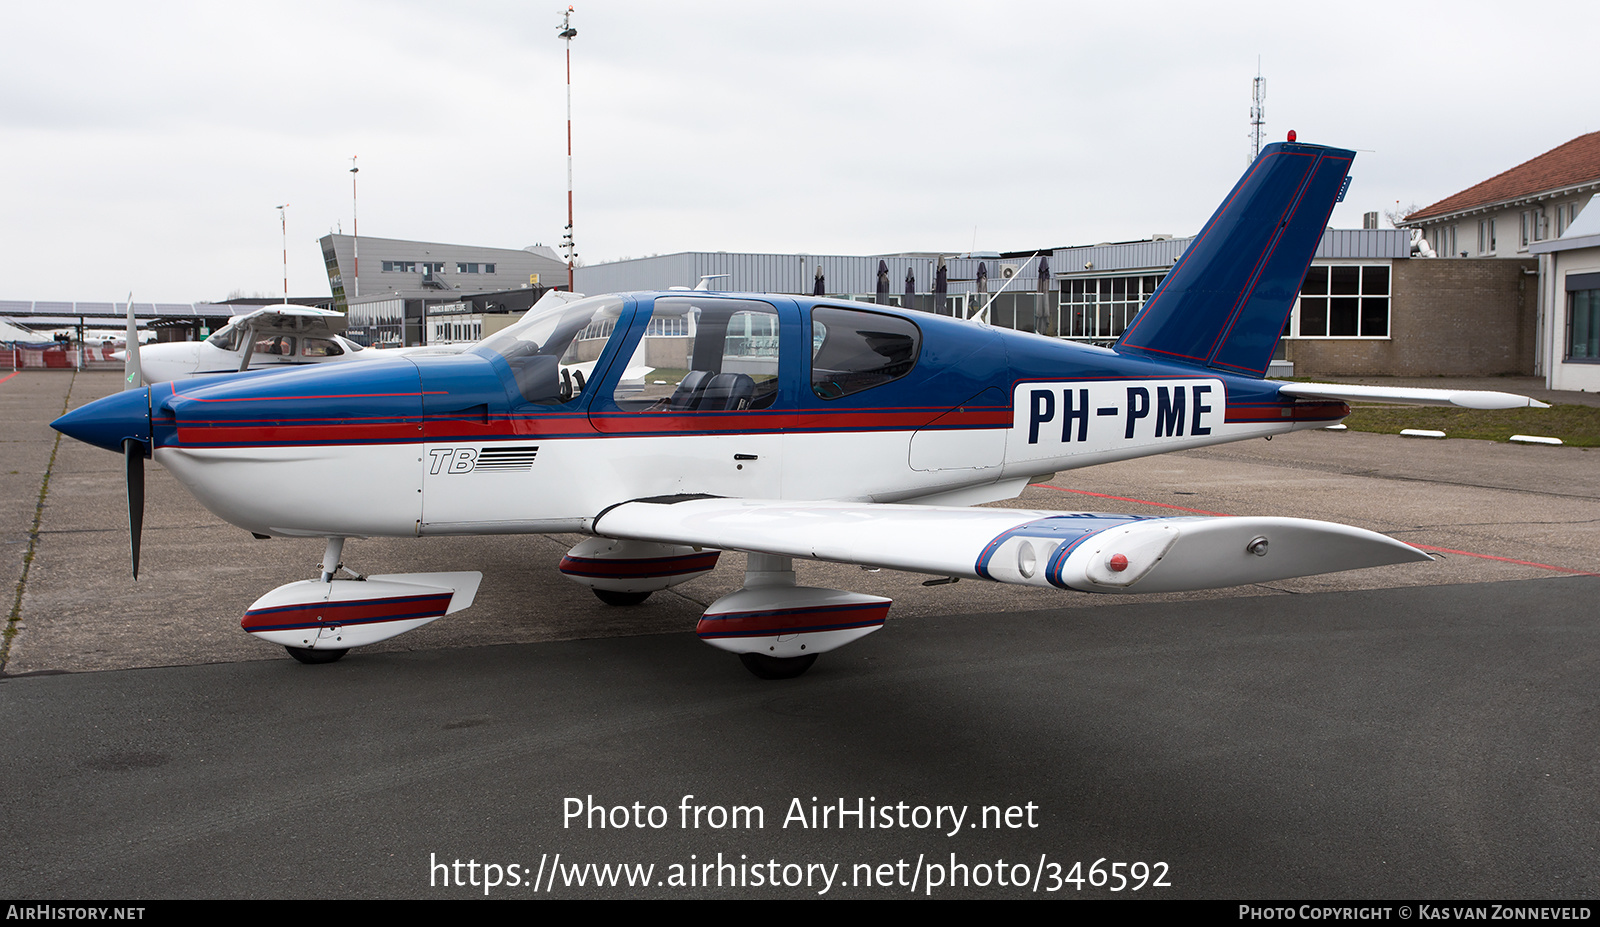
(132, 375)
(133, 468)
(133, 450)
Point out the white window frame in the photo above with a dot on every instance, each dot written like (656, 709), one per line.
(1387, 296)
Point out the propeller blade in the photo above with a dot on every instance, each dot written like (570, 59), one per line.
(133, 462)
(132, 375)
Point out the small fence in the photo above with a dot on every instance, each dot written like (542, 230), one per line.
(21, 355)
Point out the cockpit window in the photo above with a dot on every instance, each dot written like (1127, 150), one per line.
(703, 354)
(227, 338)
(551, 354)
(321, 347)
(853, 351)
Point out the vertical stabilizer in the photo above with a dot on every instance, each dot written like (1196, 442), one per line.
(1226, 300)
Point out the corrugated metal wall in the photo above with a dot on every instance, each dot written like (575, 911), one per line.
(847, 274)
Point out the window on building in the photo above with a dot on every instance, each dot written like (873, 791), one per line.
(1564, 216)
(1583, 317)
(462, 268)
(488, 268)
(1486, 236)
(1532, 227)
(1444, 244)
(1102, 307)
(1344, 301)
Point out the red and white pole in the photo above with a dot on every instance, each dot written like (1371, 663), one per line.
(283, 220)
(567, 33)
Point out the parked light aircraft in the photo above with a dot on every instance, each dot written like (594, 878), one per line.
(789, 427)
(274, 337)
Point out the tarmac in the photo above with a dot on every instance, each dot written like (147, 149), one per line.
(1417, 731)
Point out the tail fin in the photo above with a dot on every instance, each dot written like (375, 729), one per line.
(1226, 300)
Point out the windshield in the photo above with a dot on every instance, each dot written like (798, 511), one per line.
(551, 354)
(227, 338)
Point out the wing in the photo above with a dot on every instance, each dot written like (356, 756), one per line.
(290, 319)
(1463, 398)
(1087, 551)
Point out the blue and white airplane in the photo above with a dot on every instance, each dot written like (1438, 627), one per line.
(781, 426)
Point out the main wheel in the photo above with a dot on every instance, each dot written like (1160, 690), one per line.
(612, 597)
(765, 667)
(313, 657)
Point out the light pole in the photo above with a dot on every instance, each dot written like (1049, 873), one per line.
(355, 221)
(568, 33)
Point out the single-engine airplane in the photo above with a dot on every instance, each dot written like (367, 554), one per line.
(273, 337)
(784, 427)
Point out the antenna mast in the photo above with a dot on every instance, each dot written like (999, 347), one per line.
(568, 33)
(1258, 111)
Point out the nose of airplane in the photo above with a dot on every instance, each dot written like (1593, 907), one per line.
(110, 421)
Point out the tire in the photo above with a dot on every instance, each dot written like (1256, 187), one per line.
(314, 657)
(765, 667)
(612, 597)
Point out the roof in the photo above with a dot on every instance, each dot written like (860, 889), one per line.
(1577, 162)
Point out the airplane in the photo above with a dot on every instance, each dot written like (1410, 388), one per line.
(273, 337)
(786, 427)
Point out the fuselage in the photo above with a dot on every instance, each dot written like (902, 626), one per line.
(750, 396)
(223, 353)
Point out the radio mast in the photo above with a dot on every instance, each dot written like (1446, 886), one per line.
(1258, 111)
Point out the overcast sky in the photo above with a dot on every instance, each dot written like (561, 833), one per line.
(146, 145)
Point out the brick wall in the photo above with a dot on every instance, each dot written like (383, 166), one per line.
(1447, 317)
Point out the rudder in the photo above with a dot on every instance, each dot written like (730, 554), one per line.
(1226, 300)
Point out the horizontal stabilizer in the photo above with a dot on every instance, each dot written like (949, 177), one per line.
(1461, 398)
(1088, 551)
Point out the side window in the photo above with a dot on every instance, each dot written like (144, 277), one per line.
(853, 351)
(321, 347)
(703, 355)
(275, 345)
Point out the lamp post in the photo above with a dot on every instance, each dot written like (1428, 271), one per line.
(568, 33)
(355, 221)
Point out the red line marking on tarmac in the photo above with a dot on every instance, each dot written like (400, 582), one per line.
(1442, 550)
(9, 375)
(1542, 566)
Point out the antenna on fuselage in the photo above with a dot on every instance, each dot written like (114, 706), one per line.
(982, 315)
(705, 280)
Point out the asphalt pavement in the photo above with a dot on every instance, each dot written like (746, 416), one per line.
(1426, 730)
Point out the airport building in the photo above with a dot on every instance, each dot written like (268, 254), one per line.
(1369, 305)
(1534, 216)
(399, 282)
